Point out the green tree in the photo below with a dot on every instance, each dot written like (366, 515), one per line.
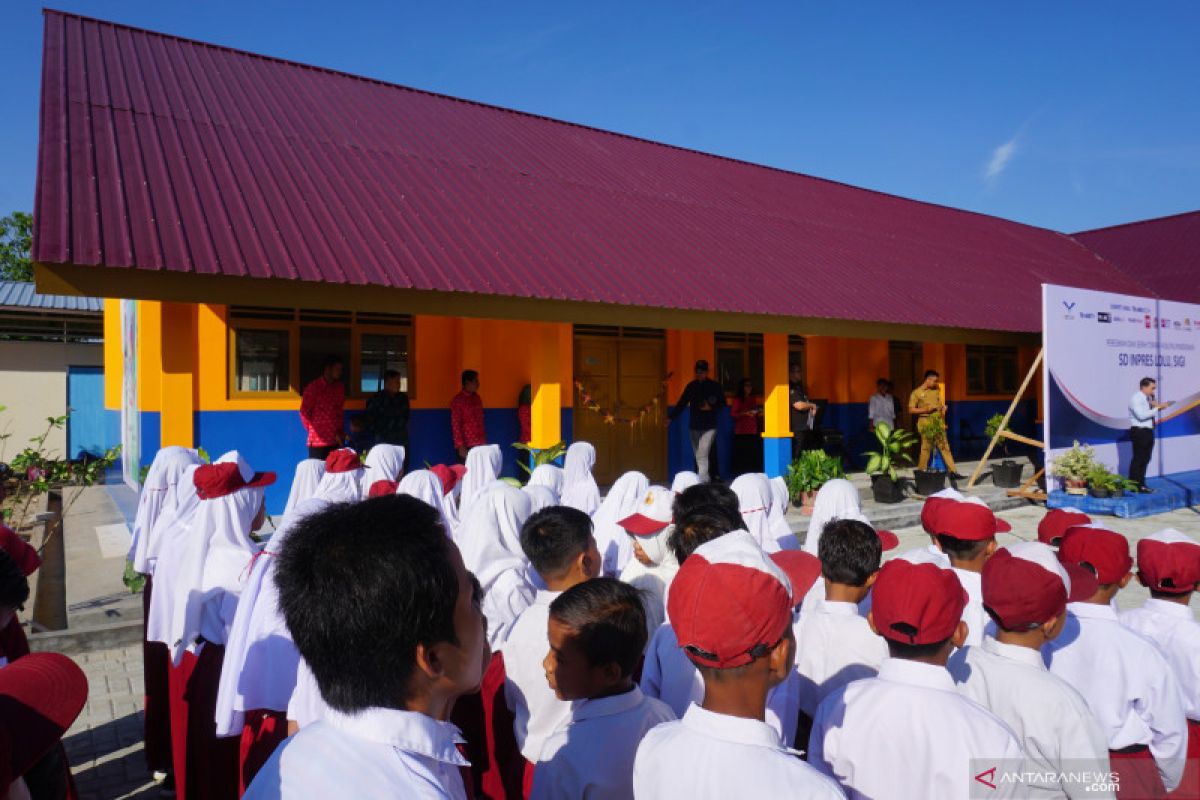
(16, 233)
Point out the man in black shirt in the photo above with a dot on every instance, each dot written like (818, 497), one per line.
(799, 409)
(705, 398)
(388, 411)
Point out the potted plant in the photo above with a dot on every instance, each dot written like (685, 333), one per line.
(1073, 467)
(1101, 482)
(808, 473)
(1006, 474)
(929, 481)
(894, 447)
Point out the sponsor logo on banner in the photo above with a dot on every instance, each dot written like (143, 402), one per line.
(1103, 316)
(1147, 320)
(1069, 307)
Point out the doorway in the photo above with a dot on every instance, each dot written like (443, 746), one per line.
(621, 370)
(905, 365)
(85, 423)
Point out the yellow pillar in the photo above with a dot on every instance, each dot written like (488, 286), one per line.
(546, 414)
(178, 362)
(777, 433)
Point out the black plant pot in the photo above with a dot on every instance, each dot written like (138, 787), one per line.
(1094, 492)
(1007, 474)
(1118, 492)
(886, 490)
(929, 482)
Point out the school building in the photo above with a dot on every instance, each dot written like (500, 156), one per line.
(247, 216)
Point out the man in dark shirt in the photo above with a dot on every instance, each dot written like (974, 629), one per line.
(705, 398)
(388, 412)
(799, 410)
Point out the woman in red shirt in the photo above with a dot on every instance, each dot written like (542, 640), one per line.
(747, 444)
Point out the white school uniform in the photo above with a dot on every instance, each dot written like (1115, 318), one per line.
(973, 614)
(306, 704)
(929, 554)
(1127, 683)
(834, 646)
(379, 753)
(706, 756)
(591, 753)
(1056, 728)
(537, 712)
(1174, 629)
(489, 537)
(908, 733)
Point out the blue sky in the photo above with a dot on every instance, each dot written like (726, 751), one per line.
(1068, 115)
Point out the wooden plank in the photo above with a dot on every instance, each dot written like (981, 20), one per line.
(1016, 437)
(1008, 415)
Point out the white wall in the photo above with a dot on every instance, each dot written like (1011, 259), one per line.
(33, 386)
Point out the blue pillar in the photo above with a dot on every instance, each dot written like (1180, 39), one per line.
(777, 455)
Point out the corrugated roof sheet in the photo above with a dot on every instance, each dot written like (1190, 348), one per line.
(160, 153)
(1162, 253)
(19, 294)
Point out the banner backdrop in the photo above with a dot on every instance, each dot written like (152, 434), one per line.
(1098, 347)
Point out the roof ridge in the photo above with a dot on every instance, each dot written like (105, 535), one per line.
(1146, 221)
(554, 120)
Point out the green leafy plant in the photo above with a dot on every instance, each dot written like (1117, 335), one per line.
(932, 428)
(1075, 464)
(895, 445)
(1098, 477)
(810, 471)
(993, 426)
(545, 455)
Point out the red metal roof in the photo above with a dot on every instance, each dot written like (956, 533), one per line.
(1163, 253)
(160, 153)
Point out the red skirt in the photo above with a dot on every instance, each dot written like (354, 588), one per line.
(206, 767)
(1189, 787)
(262, 733)
(1137, 774)
(156, 664)
(498, 770)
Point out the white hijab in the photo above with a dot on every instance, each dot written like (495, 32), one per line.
(837, 499)
(159, 494)
(483, 466)
(579, 487)
(426, 487)
(341, 487)
(780, 530)
(754, 501)
(540, 496)
(549, 476)
(304, 483)
(684, 479)
(622, 500)
(259, 669)
(384, 462)
(170, 529)
(490, 534)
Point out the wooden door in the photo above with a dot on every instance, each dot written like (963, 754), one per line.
(905, 365)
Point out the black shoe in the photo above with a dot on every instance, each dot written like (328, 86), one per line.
(957, 476)
(1145, 490)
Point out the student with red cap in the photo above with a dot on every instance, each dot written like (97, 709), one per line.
(1169, 566)
(966, 532)
(1125, 679)
(1057, 522)
(40, 697)
(908, 733)
(932, 553)
(1025, 591)
(653, 565)
(731, 609)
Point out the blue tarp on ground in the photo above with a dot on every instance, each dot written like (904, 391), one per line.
(1179, 490)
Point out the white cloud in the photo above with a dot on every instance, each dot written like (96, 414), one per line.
(1000, 159)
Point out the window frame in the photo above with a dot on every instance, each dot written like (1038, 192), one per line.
(991, 356)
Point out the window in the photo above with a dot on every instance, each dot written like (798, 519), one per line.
(739, 355)
(991, 370)
(279, 351)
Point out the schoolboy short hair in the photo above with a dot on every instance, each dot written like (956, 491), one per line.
(961, 549)
(360, 586)
(850, 552)
(700, 525)
(705, 494)
(609, 621)
(554, 537)
(913, 651)
(14, 586)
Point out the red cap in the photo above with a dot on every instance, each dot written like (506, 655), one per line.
(446, 476)
(969, 521)
(1105, 551)
(22, 552)
(1169, 562)
(344, 459)
(888, 540)
(227, 476)
(934, 503)
(729, 603)
(802, 569)
(916, 603)
(1025, 584)
(654, 513)
(459, 470)
(41, 694)
(382, 488)
(1057, 521)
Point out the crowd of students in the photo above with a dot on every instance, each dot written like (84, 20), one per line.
(444, 633)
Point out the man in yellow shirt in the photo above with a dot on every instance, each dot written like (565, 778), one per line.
(925, 403)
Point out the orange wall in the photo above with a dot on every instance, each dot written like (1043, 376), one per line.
(844, 370)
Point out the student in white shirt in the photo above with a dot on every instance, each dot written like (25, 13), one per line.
(653, 564)
(834, 643)
(1057, 522)
(597, 632)
(387, 617)
(1169, 566)
(559, 544)
(731, 609)
(908, 733)
(966, 532)
(932, 553)
(1125, 679)
(1026, 590)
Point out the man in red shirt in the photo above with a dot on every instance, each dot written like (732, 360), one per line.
(321, 410)
(466, 416)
